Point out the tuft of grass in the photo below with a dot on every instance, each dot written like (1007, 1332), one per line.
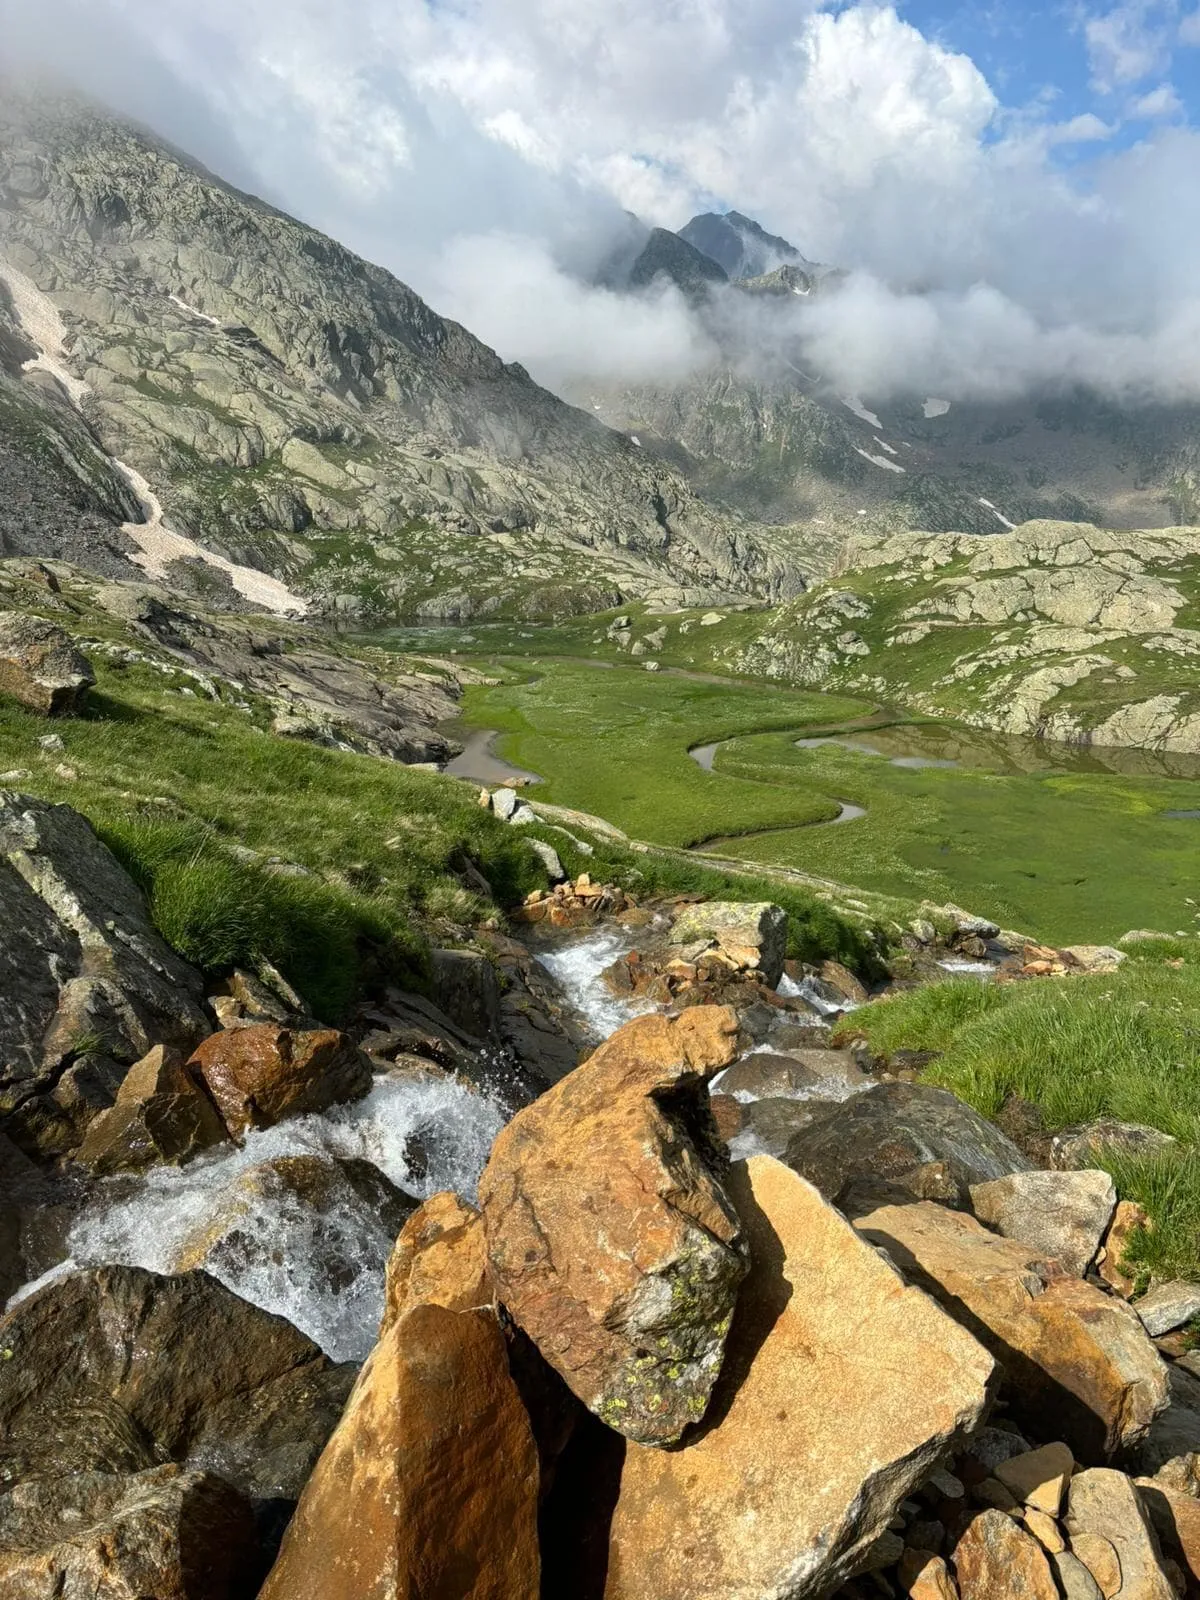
(1125, 1045)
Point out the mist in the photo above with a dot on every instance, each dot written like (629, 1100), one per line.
(488, 154)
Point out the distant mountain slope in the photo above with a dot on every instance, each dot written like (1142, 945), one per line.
(301, 412)
(668, 255)
(739, 245)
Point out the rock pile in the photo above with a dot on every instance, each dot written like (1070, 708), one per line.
(574, 905)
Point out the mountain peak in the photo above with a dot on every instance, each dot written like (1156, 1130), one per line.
(741, 247)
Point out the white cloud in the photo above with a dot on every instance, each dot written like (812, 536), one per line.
(1157, 104)
(1130, 42)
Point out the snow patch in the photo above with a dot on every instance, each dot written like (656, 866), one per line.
(853, 403)
(201, 316)
(996, 512)
(884, 445)
(880, 461)
(936, 408)
(158, 546)
(41, 322)
(635, 440)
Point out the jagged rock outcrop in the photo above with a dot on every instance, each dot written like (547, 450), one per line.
(89, 985)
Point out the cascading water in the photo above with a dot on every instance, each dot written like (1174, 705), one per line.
(321, 1267)
(576, 967)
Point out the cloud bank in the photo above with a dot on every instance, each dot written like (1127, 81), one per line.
(485, 152)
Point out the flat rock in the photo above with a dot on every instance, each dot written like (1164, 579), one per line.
(440, 1259)
(753, 934)
(87, 986)
(1038, 1477)
(823, 1074)
(995, 1559)
(1168, 1306)
(817, 1431)
(41, 667)
(1080, 1146)
(1076, 1360)
(1105, 1503)
(610, 1236)
(161, 1114)
(187, 1371)
(1063, 1215)
(892, 1128)
(168, 1533)
(260, 1075)
(429, 1486)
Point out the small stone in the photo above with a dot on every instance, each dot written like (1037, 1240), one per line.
(1168, 1306)
(923, 1575)
(1100, 1559)
(53, 743)
(505, 803)
(1045, 1530)
(1039, 1477)
(1128, 1217)
(991, 1492)
(1074, 1579)
(549, 857)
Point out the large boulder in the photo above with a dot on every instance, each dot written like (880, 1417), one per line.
(41, 667)
(1064, 1215)
(429, 1486)
(610, 1236)
(117, 1368)
(890, 1129)
(752, 936)
(1105, 1504)
(260, 1075)
(1075, 1359)
(439, 1259)
(310, 1231)
(87, 987)
(165, 1532)
(161, 1114)
(842, 1390)
(816, 1074)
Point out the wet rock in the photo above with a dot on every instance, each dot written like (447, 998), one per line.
(769, 1126)
(1078, 1147)
(201, 1376)
(260, 1075)
(1064, 1215)
(1128, 1218)
(1168, 1306)
(87, 986)
(817, 1431)
(440, 1259)
(1076, 1360)
(610, 1237)
(833, 1074)
(727, 1114)
(752, 936)
(890, 1129)
(843, 980)
(168, 1533)
(466, 987)
(429, 1486)
(997, 1560)
(1105, 1503)
(41, 667)
(161, 1114)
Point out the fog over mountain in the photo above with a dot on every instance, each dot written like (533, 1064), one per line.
(487, 153)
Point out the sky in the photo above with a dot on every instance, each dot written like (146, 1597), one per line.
(1012, 187)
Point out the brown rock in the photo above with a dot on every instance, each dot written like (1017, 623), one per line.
(925, 1576)
(1100, 1558)
(727, 1114)
(1076, 1360)
(1039, 1477)
(817, 1431)
(161, 1114)
(996, 1560)
(171, 1534)
(844, 981)
(440, 1259)
(258, 1076)
(1127, 1219)
(610, 1237)
(1175, 1517)
(428, 1489)
(40, 666)
(1063, 1215)
(766, 1075)
(1045, 1530)
(1105, 1503)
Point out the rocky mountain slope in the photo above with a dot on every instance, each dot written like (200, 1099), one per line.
(1057, 630)
(296, 411)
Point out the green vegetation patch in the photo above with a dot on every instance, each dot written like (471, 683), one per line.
(1125, 1045)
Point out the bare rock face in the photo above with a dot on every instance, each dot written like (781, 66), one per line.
(161, 1115)
(118, 1369)
(894, 1127)
(440, 1259)
(1065, 1215)
(40, 666)
(841, 1391)
(1075, 1359)
(753, 937)
(610, 1236)
(259, 1075)
(429, 1486)
(87, 986)
(165, 1532)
